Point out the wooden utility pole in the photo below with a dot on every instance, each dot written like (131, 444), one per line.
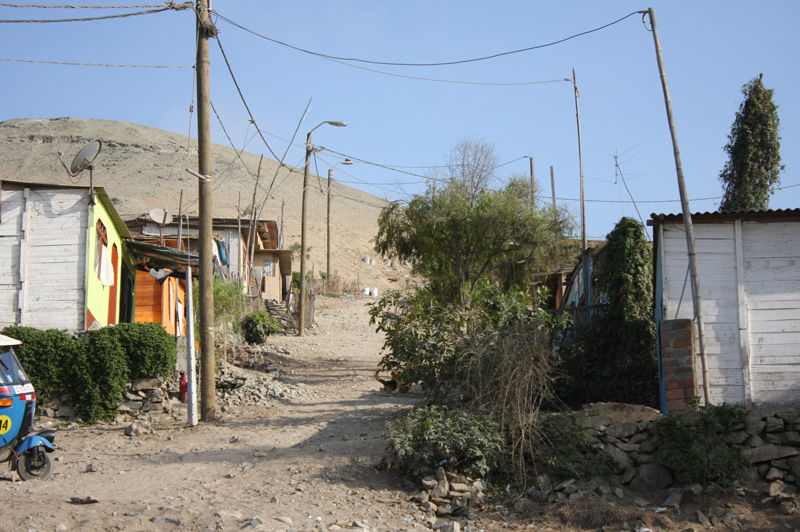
(687, 213)
(205, 29)
(587, 263)
(553, 185)
(533, 187)
(328, 226)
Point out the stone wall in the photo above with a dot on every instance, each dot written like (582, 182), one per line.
(769, 439)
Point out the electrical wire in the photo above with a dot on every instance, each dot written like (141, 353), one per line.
(439, 63)
(622, 176)
(65, 6)
(171, 6)
(453, 81)
(247, 107)
(75, 63)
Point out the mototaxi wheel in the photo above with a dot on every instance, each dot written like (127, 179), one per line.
(35, 463)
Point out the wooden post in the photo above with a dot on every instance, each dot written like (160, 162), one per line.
(687, 213)
(207, 355)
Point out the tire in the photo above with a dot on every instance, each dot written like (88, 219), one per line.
(34, 464)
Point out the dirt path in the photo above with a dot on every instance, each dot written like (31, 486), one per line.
(298, 463)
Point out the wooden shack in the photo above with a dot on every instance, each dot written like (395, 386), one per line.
(63, 259)
(749, 276)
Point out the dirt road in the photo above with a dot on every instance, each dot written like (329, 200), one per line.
(298, 463)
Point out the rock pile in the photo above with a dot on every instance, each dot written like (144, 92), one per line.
(144, 395)
(240, 390)
(448, 494)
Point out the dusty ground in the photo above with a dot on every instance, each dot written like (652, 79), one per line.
(303, 463)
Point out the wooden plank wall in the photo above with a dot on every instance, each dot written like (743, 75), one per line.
(10, 235)
(772, 285)
(43, 257)
(750, 286)
(56, 259)
(716, 262)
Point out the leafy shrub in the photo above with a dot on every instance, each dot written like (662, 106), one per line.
(695, 447)
(151, 351)
(436, 435)
(100, 373)
(258, 325)
(46, 357)
(613, 358)
(564, 448)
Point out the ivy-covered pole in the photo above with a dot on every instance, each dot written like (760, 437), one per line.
(687, 213)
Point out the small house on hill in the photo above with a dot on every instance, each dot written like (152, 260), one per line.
(749, 276)
(270, 274)
(63, 259)
(161, 285)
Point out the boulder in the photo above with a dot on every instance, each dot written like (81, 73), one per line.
(768, 452)
(651, 477)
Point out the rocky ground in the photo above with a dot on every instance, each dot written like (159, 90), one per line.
(299, 432)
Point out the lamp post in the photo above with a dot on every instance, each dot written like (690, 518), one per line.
(302, 303)
(330, 178)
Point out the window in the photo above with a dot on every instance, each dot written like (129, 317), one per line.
(268, 267)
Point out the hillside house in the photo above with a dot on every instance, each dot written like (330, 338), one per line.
(271, 271)
(749, 275)
(63, 259)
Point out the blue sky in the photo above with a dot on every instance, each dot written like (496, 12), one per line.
(711, 49)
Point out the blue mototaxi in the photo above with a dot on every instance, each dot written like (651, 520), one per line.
(27, 453)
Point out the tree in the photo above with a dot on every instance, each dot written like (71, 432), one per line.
(613, 357)
(464, 232)
(752, 172)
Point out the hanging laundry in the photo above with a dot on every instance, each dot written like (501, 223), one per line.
(223, 253)
(106, 268)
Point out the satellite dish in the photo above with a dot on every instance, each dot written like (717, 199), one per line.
(160, 216)
(85, 157)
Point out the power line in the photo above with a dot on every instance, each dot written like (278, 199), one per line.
(171, 6)
(65, 6)
(440, 63)
(75, 63)
(454, 81)
(247, 107)
(622, 176)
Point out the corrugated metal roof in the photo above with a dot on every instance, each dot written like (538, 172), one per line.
(700, 217)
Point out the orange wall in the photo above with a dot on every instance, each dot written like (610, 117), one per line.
(153, 301)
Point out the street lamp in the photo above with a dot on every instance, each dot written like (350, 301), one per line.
(330, 177)
(302, 304)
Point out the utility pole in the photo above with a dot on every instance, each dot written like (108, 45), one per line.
(205, 29)
(587, 261)
(553, 186)
(309, 150)
(533, 187)
(283, 213)
(687, 213)
(330, 179)
(328, 225)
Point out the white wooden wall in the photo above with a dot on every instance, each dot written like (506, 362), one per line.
(750, 285)
(43, 257)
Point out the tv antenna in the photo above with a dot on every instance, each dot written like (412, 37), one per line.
(161, 217)
(83, 160)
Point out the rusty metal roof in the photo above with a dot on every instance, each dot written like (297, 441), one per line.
(711, 217)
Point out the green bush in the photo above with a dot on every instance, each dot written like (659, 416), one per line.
(694, 445)
(432, 436)
(564, 448)
(151, 351)
(46, 357)
(100, 373)
(258, 325)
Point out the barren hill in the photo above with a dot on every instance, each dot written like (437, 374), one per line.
(142, 167)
